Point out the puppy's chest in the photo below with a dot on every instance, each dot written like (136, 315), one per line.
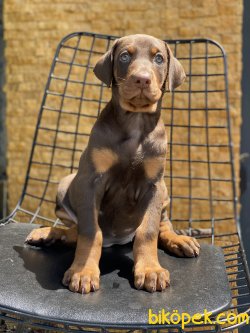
(130, 159)
(131, 153)
(146, 156)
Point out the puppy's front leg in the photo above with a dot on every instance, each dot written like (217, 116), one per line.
(83, 275)
(148, 273)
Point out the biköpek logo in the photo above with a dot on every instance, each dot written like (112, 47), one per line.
(164, 317)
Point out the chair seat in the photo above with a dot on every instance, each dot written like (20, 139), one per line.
(30, 283)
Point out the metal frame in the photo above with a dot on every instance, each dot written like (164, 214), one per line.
(193, 51)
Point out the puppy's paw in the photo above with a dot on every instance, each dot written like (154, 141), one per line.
(151, 278)
(182, 246)
(44, 236)
(82, 280)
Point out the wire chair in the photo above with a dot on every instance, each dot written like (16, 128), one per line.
(199, 172)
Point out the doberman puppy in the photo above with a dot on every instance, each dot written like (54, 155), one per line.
(119, 193)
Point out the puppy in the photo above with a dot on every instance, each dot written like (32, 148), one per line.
(119, 193)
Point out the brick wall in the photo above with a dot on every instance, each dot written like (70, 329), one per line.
(33, 29)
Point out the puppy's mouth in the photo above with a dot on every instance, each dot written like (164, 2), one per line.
(144, 100)
(140, 100)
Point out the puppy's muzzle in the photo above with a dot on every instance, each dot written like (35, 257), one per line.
(141, 80)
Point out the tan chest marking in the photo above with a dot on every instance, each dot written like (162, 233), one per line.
(153, 166)
(103, 159)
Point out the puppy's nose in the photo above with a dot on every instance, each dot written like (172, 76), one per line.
(142, 80)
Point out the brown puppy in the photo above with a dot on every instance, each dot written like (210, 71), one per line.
(119, 192)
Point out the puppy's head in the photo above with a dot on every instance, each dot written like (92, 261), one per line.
(139, 65)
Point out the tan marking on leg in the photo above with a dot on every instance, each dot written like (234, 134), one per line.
(182, 246)
(148, 273)
(103, 159)
(153, 166)
(84, 274)
(166, 201)
(49, 235)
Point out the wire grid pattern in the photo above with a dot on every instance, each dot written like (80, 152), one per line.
(199, 165)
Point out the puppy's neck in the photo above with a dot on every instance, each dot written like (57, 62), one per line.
(129, 120)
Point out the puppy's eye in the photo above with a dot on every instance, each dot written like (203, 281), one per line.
(125, 57)
(158, 59)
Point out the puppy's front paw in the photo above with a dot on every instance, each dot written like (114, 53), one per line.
(151, 278)
(182, 246)
(82, 280)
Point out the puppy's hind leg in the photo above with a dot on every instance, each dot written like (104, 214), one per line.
(49, 235)
(180, 245)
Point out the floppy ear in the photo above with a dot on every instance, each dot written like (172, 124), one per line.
(104, 67)
(176, 74)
